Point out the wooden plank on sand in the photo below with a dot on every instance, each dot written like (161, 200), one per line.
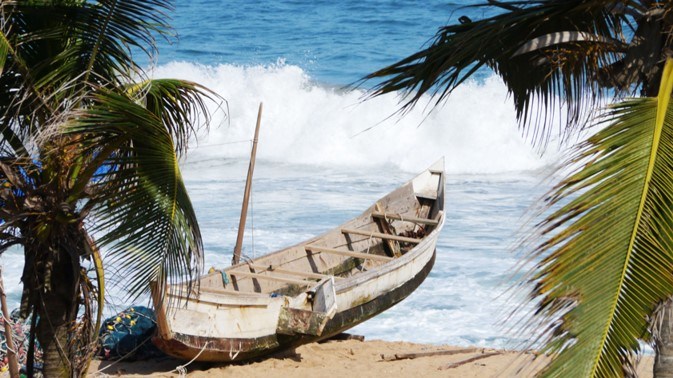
(411, 356)
(468, 360)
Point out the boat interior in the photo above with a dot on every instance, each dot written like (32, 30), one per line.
(386, 231)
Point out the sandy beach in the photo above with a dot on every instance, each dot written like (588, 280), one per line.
(363, 358)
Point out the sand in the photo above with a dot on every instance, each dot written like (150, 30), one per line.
(350, 359)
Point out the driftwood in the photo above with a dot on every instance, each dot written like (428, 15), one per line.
(468, 360)
(409, 356)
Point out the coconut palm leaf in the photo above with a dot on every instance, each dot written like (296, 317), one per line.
(19, 91)
(77, 44)
(549, 53)
(605, 252)
(106, 31)
(141, 209)
(179, 103)
(84, 151)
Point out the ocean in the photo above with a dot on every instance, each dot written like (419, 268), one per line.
(326, 153)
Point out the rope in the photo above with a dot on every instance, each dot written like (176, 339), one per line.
(233, 356)
(369, 245)
(9, 321)
(182, 369)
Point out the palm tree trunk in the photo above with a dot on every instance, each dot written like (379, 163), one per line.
(55, 354)
(663, 361)
(57, 310)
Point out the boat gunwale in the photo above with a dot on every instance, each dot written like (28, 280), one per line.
(375, 272)
(348, 282)
(368, 211)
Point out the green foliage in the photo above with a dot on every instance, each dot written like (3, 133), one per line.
(605, 251)
(598, 287)
(90, 146)
(553, 55)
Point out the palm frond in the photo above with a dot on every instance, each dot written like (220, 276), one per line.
(141, 209)
(180, 104)
(81, 43)
(111, 28)
(605, 261)
(580, 39)
(19, 82)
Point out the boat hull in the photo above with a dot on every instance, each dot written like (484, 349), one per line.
(213, 349)
(310, 291)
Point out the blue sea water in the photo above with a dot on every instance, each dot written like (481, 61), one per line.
(325, 154)
(335, 42)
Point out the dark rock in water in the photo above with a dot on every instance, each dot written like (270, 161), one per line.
(128, 335)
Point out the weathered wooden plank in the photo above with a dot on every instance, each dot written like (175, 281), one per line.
(294, 321)
(380, 215)
(270, 277)
(468, 360)
(222, 298)
(271, 268)
(393, 245)
(380, 235)
(360, 255)
(250, 297)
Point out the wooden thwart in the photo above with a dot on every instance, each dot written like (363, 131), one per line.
(381, 215)
(239, 273)
(380, 235)
(360, 255)
(272, 269)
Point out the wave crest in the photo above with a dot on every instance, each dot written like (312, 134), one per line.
(308, 123)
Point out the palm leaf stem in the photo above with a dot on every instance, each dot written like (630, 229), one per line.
(99, 40)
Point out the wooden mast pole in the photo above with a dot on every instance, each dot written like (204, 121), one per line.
(246, 197)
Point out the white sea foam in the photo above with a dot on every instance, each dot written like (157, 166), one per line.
(307, 123)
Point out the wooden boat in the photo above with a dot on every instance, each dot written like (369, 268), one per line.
(313, 290)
